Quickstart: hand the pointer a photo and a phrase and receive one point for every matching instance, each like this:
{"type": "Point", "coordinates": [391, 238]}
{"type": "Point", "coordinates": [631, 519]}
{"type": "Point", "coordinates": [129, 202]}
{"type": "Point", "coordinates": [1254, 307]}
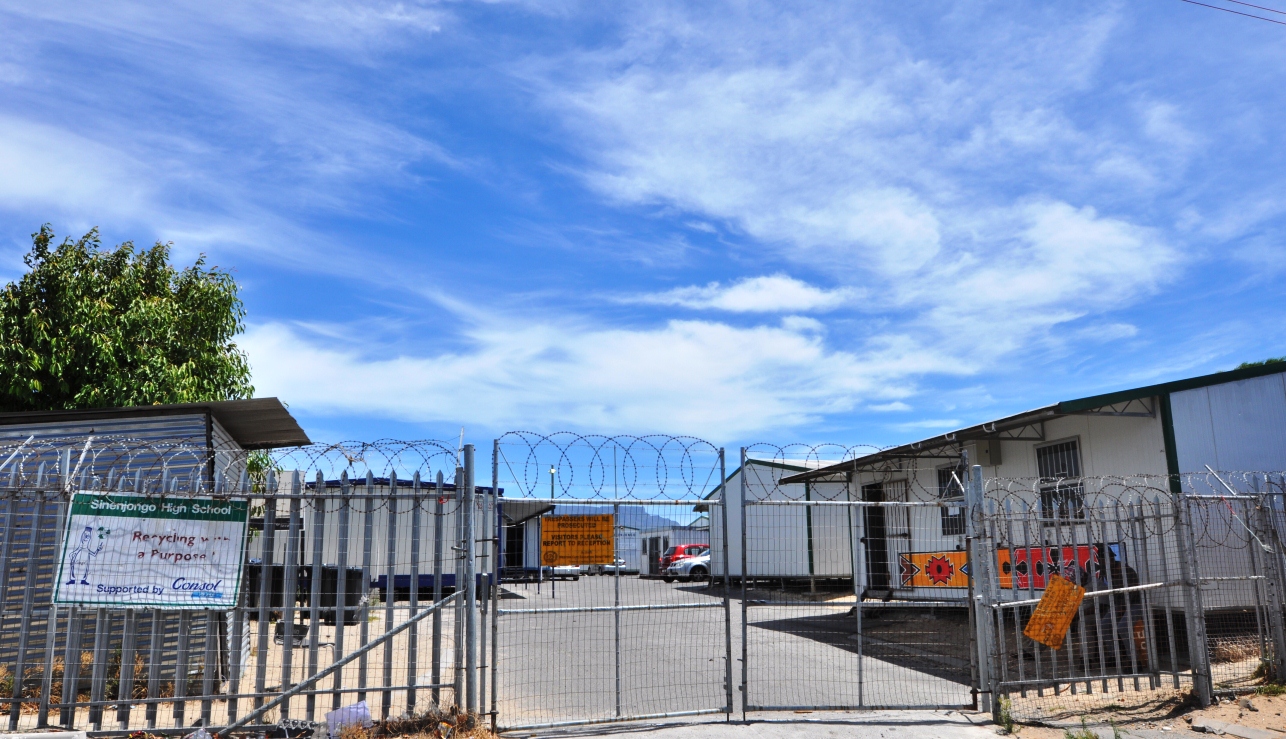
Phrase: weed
{"type": "Point", "coordinates": [1271, 689]}
{"type": "Point", "coordinates": [450, 724]}
{"type": "Point", "coordinates": [1084, 733]}
{"type": "Point", "coordinates": [1004, 715]}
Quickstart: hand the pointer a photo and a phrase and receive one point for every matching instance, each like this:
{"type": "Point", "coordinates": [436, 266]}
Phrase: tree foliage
{"type": "Point", "coordinates": [89, 327]}
{"type": "Point", "coordinates": [1262, 363]}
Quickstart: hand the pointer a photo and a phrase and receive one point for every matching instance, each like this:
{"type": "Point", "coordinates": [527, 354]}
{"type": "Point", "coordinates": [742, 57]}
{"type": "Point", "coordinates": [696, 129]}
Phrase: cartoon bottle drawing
{"type": "Point", "coordinates": [81, 555]}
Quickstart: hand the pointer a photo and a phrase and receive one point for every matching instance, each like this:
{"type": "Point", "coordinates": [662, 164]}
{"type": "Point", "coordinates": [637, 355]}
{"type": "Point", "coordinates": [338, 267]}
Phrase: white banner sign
{"type": "Point", "coordinates": [139, 551]}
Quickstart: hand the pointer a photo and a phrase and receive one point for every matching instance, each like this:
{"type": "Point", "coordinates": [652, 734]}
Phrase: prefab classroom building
{"type": "Point", "coordinates": [186, 447]}
{"type": "Point", "coordinates": [1146, 443]}
{"type": "Point", "coordinates": [796, 544]}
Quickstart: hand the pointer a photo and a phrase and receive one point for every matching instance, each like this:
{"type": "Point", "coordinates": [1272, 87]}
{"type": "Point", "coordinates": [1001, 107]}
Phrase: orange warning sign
{"type": "Point", "coordinates": [1053, 615]}
{"type": "Point", "coordinates": [578, 540]}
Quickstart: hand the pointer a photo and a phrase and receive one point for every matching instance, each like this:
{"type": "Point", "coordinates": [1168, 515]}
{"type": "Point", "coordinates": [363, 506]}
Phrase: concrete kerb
{"type": "Point", "coordinates": [812, 725]}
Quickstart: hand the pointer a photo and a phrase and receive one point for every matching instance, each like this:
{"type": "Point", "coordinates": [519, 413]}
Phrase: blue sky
{"type": "Point", "coordinates": [803, 222]}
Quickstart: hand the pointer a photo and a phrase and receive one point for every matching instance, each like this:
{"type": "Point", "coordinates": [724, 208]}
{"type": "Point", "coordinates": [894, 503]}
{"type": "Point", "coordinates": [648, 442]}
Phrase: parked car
{"type": "Point", "coordinates": [680, 551]}
{"type": "Point", "coordinates": [609, 569]}
{"type": "Point", "coordinates": [562, 572]}
{"type": "Point", "coordinates": [689, 568]}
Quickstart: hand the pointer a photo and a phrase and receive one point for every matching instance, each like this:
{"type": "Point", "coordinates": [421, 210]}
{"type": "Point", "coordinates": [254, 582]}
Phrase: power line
{"type": "Point", "coordinates": [1238, 12]}
{"type": "Point", "coordinates": [1251, 5]}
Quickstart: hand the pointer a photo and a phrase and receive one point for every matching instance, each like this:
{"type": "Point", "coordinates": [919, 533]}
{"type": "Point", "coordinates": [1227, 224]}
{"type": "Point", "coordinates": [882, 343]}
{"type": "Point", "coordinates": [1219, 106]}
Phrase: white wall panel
{"type": "Point", "coordinates": [1236, 426]}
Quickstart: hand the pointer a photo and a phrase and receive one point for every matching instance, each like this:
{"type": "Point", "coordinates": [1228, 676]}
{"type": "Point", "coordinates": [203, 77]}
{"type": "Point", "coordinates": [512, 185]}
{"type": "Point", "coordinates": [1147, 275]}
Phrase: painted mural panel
{"type": "Point", "coordinates": [933, 570]}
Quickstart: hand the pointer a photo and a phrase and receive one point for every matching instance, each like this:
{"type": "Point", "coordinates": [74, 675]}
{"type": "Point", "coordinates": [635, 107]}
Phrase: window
{"type": "Point", "coordinates": [1061, 493]}
{"type": "Point", "coordinates": [951, 487]}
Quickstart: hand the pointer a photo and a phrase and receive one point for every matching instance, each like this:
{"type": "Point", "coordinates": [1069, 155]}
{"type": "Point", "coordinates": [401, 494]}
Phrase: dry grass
{"type": "Point", "coordinates": [449, 724]}
{"type": "Point", "coordinates": [33, 682]}
{"type": "Point", "coordinates": [1234, 649]}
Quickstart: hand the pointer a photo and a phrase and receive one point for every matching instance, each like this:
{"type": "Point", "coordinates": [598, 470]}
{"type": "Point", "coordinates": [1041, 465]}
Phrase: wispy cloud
{"type": "Point", "coordinates": [771, 294]}
{"type": "Point", "coordinates": [876, 162]}
{"type": "Point", "coordinates": [223, 125]}
{"type": "Point", "coordinates": [699, 377]}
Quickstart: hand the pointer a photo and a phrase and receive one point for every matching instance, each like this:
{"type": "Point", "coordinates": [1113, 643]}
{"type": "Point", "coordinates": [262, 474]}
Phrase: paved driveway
{"type": "Point", "coordinates": [559, 666]}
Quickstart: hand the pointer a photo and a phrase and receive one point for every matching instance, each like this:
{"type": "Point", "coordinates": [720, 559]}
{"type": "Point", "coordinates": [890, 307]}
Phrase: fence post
{"type": "Point", "coordinates": [497, 550]}
{"type": "Point", "coordinates": [745, 651]}
{"type": "Point", "coordinates": [439, 531]}
{"type": "Point", "coordinates": [982, 601]}
{"type": "Point", "coordinates": [1198, 647]}
{"type": "Point", "coordinates": [727, 582]}
{"type": "Point", "coordinates": [470, 589]}
{"type": "Point", "coordinates": [1276, 582]}
{"type": "Point", "coordinates": [289, 584]}
{"type": "Point", "coordinates": [319, 508]}
{"type": "Point", "coordinates": [28, 603]}
{"type": "Point", "coordinates": [266, 551]}
{"type": "Point", "coordinates": [390, 590]}
{"type": "Point", "coordinates": [341, 584]}
{"type": "Point", "coordinates": [457, 626]}
{"type": "Point", "coordinates": [364, 610]}
{"type": "Point", "coordinates": [413, 636]}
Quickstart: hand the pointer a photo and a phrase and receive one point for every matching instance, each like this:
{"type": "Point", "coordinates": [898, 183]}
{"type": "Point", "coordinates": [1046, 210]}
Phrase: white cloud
{"type": "Point", "coordinates": [895, 406]}
{"type": "Point", "coordinates": [42, 165]}
{"type": "Point", "coordinates": [214, 124]}
{"type": "Point", "coordinates": [931, 424]}
{"type": "Point", "coordinates": [802, 324]}
{"type": "Point", "coordinates": [696, 377]}
{"type": "Point", "coordinates": [771, 294]}
{"type": "Point", "coordinates": [880, 162]}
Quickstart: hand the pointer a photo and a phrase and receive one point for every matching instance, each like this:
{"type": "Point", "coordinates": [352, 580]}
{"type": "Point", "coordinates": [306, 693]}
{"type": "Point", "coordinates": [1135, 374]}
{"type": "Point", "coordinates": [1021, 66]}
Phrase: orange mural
{"type": "Point", "coordinates": [1030, 567]}
{"type": "Point", "coordinates": [933, 570]}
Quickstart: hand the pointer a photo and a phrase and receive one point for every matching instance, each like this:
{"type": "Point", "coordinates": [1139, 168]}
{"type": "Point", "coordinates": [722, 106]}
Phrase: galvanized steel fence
{"type": "Point", "coordinates": [345, 578]}
{"type": "Point", "coordinates": [383, 573]}
{"type": "Point", "coordinates": [1184, 590]}
{"type": "Point", "coordinates": [595, 644]}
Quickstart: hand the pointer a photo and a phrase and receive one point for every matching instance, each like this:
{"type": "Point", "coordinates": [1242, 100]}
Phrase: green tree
{"type": "Point", "coordinates": [1262, 362]}
{"type": "Point", "coordinates": [89, 327]}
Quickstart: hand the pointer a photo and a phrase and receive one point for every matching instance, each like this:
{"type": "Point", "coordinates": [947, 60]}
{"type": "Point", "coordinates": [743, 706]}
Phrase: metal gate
{"type": "Point", "coordinates": [1183, 591]}
{"type": "Point", "coordinates": [605, 643]}
{"type": "Point", "coordinates": [836, 611]}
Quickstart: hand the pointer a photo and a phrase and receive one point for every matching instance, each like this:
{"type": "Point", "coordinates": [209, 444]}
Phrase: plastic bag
{"type": "Point", "coordinates": [357, 713]}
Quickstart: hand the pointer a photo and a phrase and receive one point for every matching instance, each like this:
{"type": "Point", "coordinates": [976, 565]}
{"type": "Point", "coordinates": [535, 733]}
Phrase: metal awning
{"type": "Point", "coordinates": [517, 511]}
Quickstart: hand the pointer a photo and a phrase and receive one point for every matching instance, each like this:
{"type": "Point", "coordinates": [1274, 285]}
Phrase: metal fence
{"type": "Point", "coordinates": [383, 573]}
{"type": "Point", "coordinates": [348, 594]}
{"type": "Point", "coordinates": [595, 644]}
{"type": "Point", "coordinates": [830, 619]}
{"type": "Point", "coordinates": [1183, 591]}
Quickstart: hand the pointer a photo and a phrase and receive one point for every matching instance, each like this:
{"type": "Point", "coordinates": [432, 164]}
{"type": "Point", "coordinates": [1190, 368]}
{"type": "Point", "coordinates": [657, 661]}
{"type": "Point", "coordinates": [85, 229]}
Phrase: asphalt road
{"type": "Point", "coordinates": [562, 666]}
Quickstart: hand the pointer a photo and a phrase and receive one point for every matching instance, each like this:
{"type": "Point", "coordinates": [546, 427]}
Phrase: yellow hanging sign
{"type": "Point", "coordinates": [1053, 615]}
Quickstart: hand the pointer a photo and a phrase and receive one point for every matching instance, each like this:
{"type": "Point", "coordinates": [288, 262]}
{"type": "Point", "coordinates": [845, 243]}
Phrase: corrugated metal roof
{"type": "Point", "coordinates": [994, 429]}
{"type": "Point", "coordinates": [256, 423]}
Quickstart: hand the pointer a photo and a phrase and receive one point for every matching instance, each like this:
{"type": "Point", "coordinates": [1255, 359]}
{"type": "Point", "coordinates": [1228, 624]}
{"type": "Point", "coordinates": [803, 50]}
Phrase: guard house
{"type": "Point", "coordinates": [1157, 435]}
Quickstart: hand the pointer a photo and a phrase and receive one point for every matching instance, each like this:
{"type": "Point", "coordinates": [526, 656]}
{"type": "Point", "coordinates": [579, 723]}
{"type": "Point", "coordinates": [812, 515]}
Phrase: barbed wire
{"type": "Point", "coordinates": [590, 466]}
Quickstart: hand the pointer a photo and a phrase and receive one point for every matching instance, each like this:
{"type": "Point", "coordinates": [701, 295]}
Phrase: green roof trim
{"type": "Point", "coordinates": [1165, 388]}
